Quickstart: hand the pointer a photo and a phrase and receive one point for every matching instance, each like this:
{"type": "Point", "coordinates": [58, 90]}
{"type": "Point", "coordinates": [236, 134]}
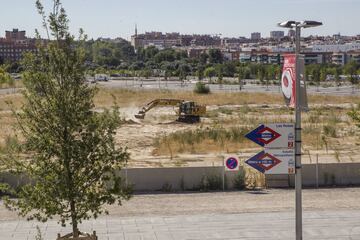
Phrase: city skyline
{"type": "Point", "coordinates": [230, 18]}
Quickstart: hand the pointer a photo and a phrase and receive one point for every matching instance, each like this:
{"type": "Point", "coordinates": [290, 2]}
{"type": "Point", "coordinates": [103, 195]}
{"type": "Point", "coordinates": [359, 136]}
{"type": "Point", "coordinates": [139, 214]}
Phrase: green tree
{"type": "Point", "coordinates": [337, 72]}
{"type": "Point", "coordinates": [184, 70]}
{"type": "Point", "coordinates": [241, 76]}
{"type": "Point", "coordinates": [215, 56]}
{"type": "Point", "coordinates": [316, 76]}
{"type": "Point", "coordinates": [200, 72]}
{"type": "Point", "coordinates": [210, 72]}
{"type": "Point", "coordinates": [203, 58]}
{"type": "Point", "coordinates": [70, 148]}
{"type": "Point", "coordinates": [219, 73]}
{"type": "Point", "coordinates": [269, 74]}
{"type": "Point", "coordinates": [168, 69]}
{"type": "Point", "coordinates": [5, 77]}
{"type": "Point", "coordinates": [261, 73]}
{"type": "Point", "coordinates": [350, 69]}
{"type": "Point", "coordinates": [229, 69]}
{"type": "Point", "coordinates": [323, 75]}
{"type": "Point", "coordinates": [165, 55]}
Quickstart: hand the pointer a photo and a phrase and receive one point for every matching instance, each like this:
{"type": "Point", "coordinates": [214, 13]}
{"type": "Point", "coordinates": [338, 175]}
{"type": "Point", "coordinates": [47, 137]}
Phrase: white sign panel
{"type": "Point", "coordinates": [274, 135]}
{"type": "Point", "coordinates": [274, 161]}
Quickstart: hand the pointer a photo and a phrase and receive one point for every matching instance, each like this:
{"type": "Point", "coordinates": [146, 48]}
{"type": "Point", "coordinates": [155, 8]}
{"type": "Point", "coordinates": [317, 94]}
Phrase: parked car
{"type": "Point", "coordinates": [101, 77]}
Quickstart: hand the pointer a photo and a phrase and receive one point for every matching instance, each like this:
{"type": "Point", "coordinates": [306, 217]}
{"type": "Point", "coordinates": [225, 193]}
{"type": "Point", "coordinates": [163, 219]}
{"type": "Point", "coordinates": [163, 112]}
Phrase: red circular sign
{"type": "Point", "coordinates": [232, 163]}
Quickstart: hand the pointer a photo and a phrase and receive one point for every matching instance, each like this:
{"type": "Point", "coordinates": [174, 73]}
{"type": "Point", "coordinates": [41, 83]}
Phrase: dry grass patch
{"type": "Point", "coordinates": [128, 97]}
{"type": "Point", "coordinates": [203, 140]}
{"type": "Point", "coordinates": [16, 100]}
{"type": "Point", "coordinates": [322, 129]}
{"type": "Point", "coordinates": [125, 97]}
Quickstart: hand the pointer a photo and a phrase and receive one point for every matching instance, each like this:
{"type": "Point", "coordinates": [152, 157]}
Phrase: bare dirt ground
{"type": "Point", "coordinates": [140, 135]}
{"type": "Point", "coordinates": [226, 111]}
{"type": "Point", "coordinates": [273, 200]}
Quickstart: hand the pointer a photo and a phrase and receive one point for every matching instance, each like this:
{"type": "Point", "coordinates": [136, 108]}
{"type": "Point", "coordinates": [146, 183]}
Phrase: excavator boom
{"type": "Point", "coordinates": [155, 103]}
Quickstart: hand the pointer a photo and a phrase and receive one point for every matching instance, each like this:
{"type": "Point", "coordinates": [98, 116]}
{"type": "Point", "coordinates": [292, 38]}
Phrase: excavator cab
{"type": "Point", "coordinates": [187, 107]}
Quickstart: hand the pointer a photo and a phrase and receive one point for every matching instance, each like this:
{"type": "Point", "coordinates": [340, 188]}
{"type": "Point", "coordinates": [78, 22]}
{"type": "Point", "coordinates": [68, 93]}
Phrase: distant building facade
{"type": "Point", "coordinates": [156, 39]}
{"type": "Point", "coordinates": [277, 35]}
{"type": "Point", "coordinates": [291, 33]}
{"type": "Point", "coordinates": [168, 40]}
{"type": "Point", "coordinates": [14, 45]}
{"type": "Point", "coordinates": [255, 36]}
{"type": "Point", "coordinates": [15, 35]}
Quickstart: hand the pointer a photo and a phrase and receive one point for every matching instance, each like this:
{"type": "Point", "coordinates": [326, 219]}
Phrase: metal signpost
{"type": "Point", "coordinates": [231, 163]}
{"type": "Point", "coordinates": [298, 178]}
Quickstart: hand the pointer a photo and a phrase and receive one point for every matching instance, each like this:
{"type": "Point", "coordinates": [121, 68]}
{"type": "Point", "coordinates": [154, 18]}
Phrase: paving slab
{"type": "Point", "coordinates": [332, 224]}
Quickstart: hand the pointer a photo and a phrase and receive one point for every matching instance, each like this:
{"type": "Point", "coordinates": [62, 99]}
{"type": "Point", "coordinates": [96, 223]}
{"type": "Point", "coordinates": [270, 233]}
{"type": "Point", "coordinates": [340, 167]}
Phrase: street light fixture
{"type": "Point", "coordinates": [298, 177]}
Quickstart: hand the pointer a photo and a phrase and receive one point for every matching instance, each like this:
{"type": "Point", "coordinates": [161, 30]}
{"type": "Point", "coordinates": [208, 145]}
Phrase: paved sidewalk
{"type": "Point", "coordinates": [330, 225]}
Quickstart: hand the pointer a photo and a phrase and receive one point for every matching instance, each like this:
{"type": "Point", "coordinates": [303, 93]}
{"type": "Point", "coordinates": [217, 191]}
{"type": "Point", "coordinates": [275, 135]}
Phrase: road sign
{"type": "Point", "coordinates": [274, 161]}
{"type": "Point", "coordinates": [231, 164]}
{"type": "Point", "coordinates": [274, 135]}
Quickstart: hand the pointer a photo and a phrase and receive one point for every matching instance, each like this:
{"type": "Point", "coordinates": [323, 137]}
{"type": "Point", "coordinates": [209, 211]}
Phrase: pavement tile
{"type": "Point", "coordinates": [318, 225]}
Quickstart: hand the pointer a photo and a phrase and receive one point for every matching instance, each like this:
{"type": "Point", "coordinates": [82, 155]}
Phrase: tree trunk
{"type": "Point", "coordinates": [74, 219]}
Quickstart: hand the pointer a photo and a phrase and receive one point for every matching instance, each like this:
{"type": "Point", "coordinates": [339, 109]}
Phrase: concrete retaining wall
{"type": "Point", "coordinates": [192, 178]}
{"type": "Point", "coordinates": [329, 174]}
{"type": "Point", "coordinates": [170, 179]}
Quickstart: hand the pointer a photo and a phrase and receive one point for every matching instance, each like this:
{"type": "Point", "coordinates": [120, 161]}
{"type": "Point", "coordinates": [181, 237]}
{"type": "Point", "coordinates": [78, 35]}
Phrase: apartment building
{"type": "Point", "coordinates": [277, 35]}
{"type": "Point", "coordinates": [14, 45]}
{"type": "Point", "coordinates": [255, 36]}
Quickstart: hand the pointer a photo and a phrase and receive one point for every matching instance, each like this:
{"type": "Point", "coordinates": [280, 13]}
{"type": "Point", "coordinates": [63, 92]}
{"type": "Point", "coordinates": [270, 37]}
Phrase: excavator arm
{"type": "Point", "coordinates": [155, 103]}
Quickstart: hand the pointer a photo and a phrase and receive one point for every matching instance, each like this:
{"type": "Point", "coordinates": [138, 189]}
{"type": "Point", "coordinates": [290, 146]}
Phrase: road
{"type": "Point", "coordinates": [246, 215]}
{"type": "Point", "coordinates": [189, 86]}
{"type": "Point", "coordinates": [154, 84]}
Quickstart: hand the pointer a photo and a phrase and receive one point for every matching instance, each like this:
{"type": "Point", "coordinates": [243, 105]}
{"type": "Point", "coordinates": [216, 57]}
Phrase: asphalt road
{"type": "Point", "coordinates": [189, 86]}
{"type": "Point", "coordinates": [154, 84]}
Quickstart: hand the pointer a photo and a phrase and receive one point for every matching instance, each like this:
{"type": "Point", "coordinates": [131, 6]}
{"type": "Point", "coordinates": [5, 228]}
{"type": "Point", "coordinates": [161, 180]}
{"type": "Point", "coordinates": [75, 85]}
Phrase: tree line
{"type": "Point", "coordinates": [121, 57]}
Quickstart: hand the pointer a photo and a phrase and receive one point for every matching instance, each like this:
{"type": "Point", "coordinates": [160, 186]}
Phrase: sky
{"type": "Point", "coordinates": [231, 18]}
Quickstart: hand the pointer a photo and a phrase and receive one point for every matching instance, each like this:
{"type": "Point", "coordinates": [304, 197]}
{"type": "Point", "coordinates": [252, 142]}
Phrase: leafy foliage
{"type": "Point", "coordinates": [201, 88]}
{"type": "Point", "coordinates": [69, 149]}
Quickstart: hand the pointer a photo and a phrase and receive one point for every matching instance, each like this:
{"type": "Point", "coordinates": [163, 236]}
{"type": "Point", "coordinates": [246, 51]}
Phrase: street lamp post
{"type": "Point", "coordinates": [298, 176]}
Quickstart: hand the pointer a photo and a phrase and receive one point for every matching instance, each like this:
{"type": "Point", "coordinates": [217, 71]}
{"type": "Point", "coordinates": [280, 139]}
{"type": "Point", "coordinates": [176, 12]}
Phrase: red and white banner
{"type": "Point", "coordinates": [288, 79]}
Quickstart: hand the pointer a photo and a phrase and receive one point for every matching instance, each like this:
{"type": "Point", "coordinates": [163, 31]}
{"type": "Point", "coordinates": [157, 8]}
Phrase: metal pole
{"type": "Point", "coordinates": [298, 179]}
{"type": "Point", "coordinates": [223, 180]}
{"type": "Point", "coordinates": [317, 170]}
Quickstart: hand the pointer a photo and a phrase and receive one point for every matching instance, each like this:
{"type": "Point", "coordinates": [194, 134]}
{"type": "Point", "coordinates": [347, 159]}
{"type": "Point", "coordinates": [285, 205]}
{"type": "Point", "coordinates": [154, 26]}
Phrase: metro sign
{"type": "Point", "coordinates": [274, 135]}
{"type": "Point", "coordinates": [263, 135]}
{"type": "Point", "coordinates": [263, 161]}
{"type": "Point", "coordinates": [274, 161]}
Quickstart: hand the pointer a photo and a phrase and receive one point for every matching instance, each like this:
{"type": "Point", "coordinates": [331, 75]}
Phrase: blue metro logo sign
{"type": "Point", "coordinates": [263, 161]}
{"type": "Point", "coordinates": [263, 135]}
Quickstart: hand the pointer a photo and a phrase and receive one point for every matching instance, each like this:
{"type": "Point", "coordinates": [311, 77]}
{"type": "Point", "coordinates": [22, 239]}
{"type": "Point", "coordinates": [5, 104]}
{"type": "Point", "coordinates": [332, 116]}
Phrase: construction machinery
{"type": "Point", "coordinates": [187, 111]}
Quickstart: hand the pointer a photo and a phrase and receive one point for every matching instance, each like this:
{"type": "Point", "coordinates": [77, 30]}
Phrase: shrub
{"type": "Point", "coordinates": [239, 180]}
{"type": "Point", "coordinates": [329, 131]}
{"type": "Point", "coordinates": [211, 182]}
{"type": "Point", "coordinates": [201, 88]}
